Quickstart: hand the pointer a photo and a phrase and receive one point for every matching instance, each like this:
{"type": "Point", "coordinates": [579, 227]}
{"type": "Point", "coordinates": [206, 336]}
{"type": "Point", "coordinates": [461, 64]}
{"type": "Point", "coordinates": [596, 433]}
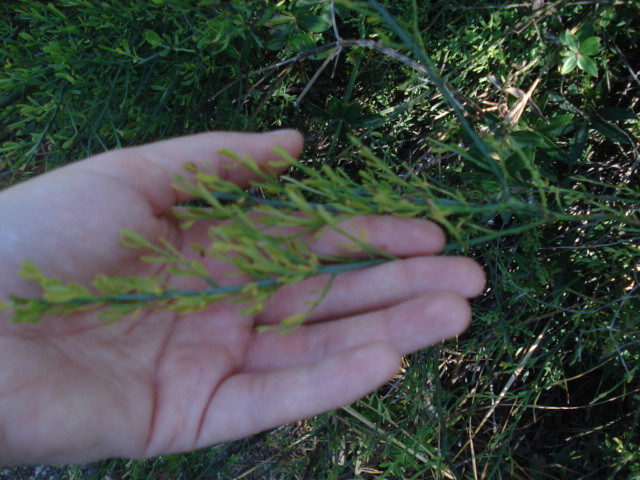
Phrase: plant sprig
{"type": "Point", "coordinates": [265, 239]}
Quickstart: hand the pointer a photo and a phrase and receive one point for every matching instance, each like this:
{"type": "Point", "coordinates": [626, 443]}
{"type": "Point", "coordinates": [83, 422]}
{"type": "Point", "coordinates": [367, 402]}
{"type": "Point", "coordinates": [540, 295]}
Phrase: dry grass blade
{"type": "Point", "coordinates": [388, 437]}
{"type": "Point", "coordinates": [514, 376]}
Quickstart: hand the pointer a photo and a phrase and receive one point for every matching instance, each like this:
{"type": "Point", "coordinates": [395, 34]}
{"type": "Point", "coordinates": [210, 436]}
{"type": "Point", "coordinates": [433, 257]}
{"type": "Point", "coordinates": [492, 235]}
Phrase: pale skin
{"type": "Point", "coordinates": [73, 390]}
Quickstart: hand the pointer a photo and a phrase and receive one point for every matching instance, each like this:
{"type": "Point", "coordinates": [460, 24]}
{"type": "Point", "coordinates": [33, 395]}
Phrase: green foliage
{"type": "Point", "coordinates": [250, 239]}
{"type": "Point", "coordinates": [578, 53]}
{"type": "Point", "coordinates": [81, 77]}
{"type": "Point", "coordinates": [294, 25]}
{"type": "Point", "coordinates": [534, 175]}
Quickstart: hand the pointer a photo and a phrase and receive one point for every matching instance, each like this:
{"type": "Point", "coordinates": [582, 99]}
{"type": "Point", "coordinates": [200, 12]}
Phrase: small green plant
{"type": "Point", "coordinates": [579, 52]}
{"type": "Point", "coordinates": [293, 27]}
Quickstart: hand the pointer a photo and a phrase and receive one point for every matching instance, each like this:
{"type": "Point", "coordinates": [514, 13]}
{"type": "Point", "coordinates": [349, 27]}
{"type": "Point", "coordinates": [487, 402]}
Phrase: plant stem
{"type": "Point", "coordinates": [233, 289]}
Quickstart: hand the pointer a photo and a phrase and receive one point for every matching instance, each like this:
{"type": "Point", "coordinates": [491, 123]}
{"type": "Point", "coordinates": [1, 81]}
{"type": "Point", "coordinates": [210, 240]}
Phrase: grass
{"type": "Point", "coordinates": [545, 384]}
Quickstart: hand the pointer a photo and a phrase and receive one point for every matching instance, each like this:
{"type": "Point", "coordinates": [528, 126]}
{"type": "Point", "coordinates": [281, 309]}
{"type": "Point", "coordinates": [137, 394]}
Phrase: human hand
{"type": "Point", "coordinates": [75, 390]}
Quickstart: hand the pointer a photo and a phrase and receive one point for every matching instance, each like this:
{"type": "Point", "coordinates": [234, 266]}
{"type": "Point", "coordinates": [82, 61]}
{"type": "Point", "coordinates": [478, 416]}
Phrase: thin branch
{"type": "Point", "coordinates": [332, 270]}
{"type": "Point", "coordinates": [333, 21]}
{"type": "Point", "coordinates": [426, 66]}
{"type": "Point", "coordinates": [333, 54]}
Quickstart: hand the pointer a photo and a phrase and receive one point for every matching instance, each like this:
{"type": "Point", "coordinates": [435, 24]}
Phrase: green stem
{"type": "Point", "coordinates": [452, 207]}
{"type": "Point", "coordinates": [440, 84]}
{"type": "Point", "coordinates": [233, 289]}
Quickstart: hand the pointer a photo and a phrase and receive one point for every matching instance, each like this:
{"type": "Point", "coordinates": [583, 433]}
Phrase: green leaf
{"type": "Point", "coordinates": [524, 138]}
{"type": "Point", "coordinates": [278, 39]}
{"type": "Point", "coordinates": [56, 12]}
{"type": "Point", "coordinates": [352, 112]}
{"type": "Point", "coordinates": [63, 293]}
{"type": "Point", "coordinates": [26, 36]}
{"type": "Point", "coordinates": [29, 271]}
{"type": "Point", "coordinates": [368, 120]}
{"type": "Point", "coordinates": [557, 125]}
{"type": "Point", "coordinates": [132, 239]}
{"type": "Point", "coordinates": [153, 38]}
{"type": "Point", "coordinates": [588, 65]}
{"type": "Point", "coordinates": [28, 311]}
{"type": "Point", "coordinates": [293, 320]}
{"type": "Point", "coordinates": [585, 31]}
{"type": "Point", "coordinates": [199, 269]}
{"type": "Point", "coordinates": [569, 40]}
{"type": "Point", "coordinates": [569, 65]}
{"type": "Point", "coordinates": [515, 164]}
{"type": "Point", "coordinates": [590, 46]}
{"type": "Point", "coordinates": [336, 108]}
{"type": "Point", "coordinates": [578, 144]}
{"type": "Point", "coordinates": [282, 19]}
{"type": "Point", "coordinates": [313, 23]}
{"type": "Point", "coordinates": [181, 272]}
{"type": "Point", "coordinates": [617, 114]}
{"type": "Point", "coordinates": [302, 42]}
{"type": "Point", "coordinates": [611, 132]}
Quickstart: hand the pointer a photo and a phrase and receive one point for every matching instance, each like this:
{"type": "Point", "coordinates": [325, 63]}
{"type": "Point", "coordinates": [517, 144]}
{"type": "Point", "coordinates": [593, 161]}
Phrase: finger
{"type": "Point", "coordinates": [364, 235]}
{"type": "Point", "coordinates": [400, 237]}
{"type": "Point", "coordinates": [253, 402]}
{"type": "Point", "coordinates": [408, 326]}
{"type": "Point", "coordinates": [357, 237]}
{"type": "Point", "coordinates": [150, 169]}
{"type": "Point", "coordinates": [376, 287]}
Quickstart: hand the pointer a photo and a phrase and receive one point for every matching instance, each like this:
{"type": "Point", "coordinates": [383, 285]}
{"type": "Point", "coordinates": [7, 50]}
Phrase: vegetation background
{"type": "Point", "coordinates": [521, 117]}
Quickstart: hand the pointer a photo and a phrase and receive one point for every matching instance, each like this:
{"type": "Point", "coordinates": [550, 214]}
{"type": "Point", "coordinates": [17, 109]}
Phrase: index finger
{"type": "Point", "coordinates": [150, 169]}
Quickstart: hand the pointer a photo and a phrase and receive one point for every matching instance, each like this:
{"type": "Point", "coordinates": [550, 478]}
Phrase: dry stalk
{"type": "Point", "coordinates": [505, 389]}
{"type": "Point", "coordinates": [417, 455]}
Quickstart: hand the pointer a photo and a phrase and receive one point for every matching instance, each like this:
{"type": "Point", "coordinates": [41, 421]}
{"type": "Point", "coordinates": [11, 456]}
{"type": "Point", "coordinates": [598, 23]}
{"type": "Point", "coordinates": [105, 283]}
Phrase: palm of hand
{"type": "Point", "coordinates": [73, 390]}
